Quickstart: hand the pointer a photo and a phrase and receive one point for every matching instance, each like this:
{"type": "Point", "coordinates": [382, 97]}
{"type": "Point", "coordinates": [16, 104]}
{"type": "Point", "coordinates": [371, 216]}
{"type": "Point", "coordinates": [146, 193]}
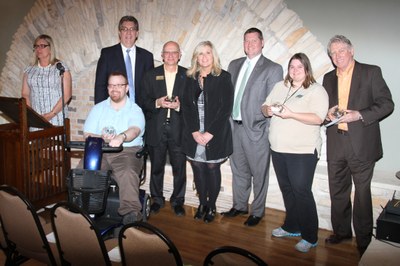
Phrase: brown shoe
{"type": "Point", "coordinates": [336, 239]}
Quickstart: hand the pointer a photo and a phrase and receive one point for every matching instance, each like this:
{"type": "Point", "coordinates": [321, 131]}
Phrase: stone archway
{"type": "Point", "coordinates": [80, 28]}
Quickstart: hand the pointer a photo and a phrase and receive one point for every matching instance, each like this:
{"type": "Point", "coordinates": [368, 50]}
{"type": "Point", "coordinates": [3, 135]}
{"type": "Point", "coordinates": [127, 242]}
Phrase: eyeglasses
{"type": "Point", "coordinates": [125, 29]}
{"type": "Point", "coordinates": [170, 53]}
{"type": "Point", "coordinates": [41, 46]}
{"type": "Point", "coordinates": [119, 86]}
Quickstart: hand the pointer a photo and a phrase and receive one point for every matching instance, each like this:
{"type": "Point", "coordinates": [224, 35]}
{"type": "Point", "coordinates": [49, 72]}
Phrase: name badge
{"type": "Point", "coordinates": [159, 77]}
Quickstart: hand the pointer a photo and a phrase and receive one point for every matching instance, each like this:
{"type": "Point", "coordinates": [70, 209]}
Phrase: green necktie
{"type": "Point", "coordinates": [239, 96]}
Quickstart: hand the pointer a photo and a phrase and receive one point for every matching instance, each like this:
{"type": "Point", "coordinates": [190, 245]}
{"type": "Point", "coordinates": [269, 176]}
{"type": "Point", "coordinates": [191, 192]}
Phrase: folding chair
{"type": "Point", "coordinates": [24, 231]}
{"type": "Point", "coordinates": [231, 256]}
{"type": "Point", "coordinates": [143, 244]}
{"type": "Point", "coordinates": [78, 240]}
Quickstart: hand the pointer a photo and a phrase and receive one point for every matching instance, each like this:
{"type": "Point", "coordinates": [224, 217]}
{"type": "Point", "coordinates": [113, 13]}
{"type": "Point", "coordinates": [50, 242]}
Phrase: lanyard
{"type": "Point", "coordinates": [287, 95]}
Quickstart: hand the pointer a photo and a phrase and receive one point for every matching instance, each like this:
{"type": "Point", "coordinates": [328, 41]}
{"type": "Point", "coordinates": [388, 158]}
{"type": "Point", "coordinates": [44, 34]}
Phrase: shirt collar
{"type": "Point", "coordinates": [128, 103]}
{"type": "Point", "coordinates": [254, 60]}
{"type": "Point", "coordinates": [169, 72]}
{"type": "Point", "coordinates": [347, 71]}
{"type": "Point", "coordinates": [133, 49]}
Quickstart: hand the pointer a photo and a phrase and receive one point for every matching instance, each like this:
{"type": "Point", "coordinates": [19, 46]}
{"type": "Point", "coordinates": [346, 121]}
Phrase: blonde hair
{"type": "Point", "coordinates": [216, 68]}
{"type": "Point", "coordinates": [49, 40]}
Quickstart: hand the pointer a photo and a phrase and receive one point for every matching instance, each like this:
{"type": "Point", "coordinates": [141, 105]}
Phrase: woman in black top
{"type": "Point", "coordinates": [207, 137]}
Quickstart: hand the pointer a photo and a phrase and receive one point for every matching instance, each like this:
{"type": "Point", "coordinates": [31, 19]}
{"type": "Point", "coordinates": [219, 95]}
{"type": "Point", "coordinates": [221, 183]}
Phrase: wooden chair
{"type": "Point", "coordinates": [78, 239]}
{"type": "Point", "coordinates": [3, 243]}
{"type": "Point", "coordinates": [231, 256]}
{"type": "Point", "coordinates": [143, 244]}
{"type": "Point", "coordinates": [24, 231]}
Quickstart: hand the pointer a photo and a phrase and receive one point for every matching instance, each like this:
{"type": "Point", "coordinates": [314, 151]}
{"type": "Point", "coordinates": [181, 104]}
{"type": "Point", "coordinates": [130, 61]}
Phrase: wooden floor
{"type": "Point", "coordinates": [194, 239]}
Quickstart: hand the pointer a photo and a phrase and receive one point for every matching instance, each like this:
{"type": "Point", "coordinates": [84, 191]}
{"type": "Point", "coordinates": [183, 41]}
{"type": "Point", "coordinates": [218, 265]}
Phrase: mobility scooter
{"type": "Point", "coordinates": [94, 191]}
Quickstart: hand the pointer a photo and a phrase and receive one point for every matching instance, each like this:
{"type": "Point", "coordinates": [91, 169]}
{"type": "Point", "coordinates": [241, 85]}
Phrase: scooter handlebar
{"type": "Point", "coordinates": [105, 148]}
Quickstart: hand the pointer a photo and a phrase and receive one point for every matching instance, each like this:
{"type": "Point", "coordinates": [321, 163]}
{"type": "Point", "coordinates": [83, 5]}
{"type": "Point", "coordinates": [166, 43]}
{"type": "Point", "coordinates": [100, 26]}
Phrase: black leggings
{"type": "Point", "coordinates": [207, 178]}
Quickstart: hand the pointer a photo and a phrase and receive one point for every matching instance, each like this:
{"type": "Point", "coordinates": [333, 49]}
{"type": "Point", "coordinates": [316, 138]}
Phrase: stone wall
{"type": "Point", "coordinates": [81, 28]}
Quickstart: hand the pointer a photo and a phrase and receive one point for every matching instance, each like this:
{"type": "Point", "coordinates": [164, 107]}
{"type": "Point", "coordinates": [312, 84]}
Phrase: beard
{"type": "Point", "coordinates": [117, 97]}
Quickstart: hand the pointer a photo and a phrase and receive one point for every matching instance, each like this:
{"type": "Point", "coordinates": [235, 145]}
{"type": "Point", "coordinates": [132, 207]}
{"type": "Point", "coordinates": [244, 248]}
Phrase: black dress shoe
{"type": "Point", "coordinates": [336, 239]}
{"type": "Point", "coordinates": [233, 213]}
{"type": "Point", "coordinates": [201, 210]}
{"type": "Point", "coordinates": [179, 210]}
{"type": "Point", "coordinates": [210, 215]}
{"type": "Point", "coordinates": [252, 220]}
{"type": "Point", "coordinates": [155, 208]}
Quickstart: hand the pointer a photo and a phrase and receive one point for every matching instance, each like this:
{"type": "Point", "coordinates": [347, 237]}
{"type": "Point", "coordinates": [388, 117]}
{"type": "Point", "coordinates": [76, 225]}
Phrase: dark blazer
{"type": "Point", "coordinates": [154, 87]}
{"type": "Point", "coordinates": [218, 98]}
{"type": "Point", "coordinates": [370, 95]}
{"type": "Point", "coordinates": [112, 60]}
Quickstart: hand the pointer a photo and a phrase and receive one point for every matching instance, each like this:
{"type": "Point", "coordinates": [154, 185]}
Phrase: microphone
{"type": "Point", "coordinates": [61, 68]}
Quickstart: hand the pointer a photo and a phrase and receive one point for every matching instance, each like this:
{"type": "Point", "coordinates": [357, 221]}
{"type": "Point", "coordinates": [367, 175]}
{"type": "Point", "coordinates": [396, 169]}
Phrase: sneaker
{"type": "Point", "coordinates": [304, 246]}
{"type": "Point", "coordinates": [279, 232]}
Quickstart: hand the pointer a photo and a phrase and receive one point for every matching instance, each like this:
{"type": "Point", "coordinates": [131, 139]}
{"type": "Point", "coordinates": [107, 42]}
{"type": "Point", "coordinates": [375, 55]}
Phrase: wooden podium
{"type": "Point", "coordinates": [34, 161]}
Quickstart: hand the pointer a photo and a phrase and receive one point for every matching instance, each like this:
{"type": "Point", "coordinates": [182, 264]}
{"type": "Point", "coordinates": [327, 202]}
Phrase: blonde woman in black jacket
{"type": "Point", "coordinates": [207, 137]}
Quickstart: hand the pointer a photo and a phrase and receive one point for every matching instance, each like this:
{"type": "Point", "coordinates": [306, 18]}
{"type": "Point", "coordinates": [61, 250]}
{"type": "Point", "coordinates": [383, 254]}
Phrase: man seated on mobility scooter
{"type": "Point", "coordinates": [118, 120]}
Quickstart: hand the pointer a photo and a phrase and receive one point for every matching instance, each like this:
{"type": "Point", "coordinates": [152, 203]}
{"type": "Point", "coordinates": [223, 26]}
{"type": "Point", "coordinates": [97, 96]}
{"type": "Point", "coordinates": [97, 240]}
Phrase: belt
{"type": "Point", "coordinates": [239, 122]}
{"type": "Point", "coordinates": [342, 132]}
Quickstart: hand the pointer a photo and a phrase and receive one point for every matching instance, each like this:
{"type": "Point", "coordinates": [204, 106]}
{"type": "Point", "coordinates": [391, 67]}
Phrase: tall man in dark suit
{"type": "Point", "coordinates": [353, 144]}
{"type": "Point", "coordinates": [124, 57]}
{"type": "Point", "coordinates": [254, 76]}
{"type": "Point", "coordinates": [162, 90]}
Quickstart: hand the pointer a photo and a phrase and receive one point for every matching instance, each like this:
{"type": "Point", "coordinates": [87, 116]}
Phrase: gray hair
{"type": "Point", "coordinates": [340, 39]}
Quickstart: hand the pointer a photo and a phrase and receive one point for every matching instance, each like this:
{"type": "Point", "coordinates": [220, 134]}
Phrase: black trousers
{"type": "Point", "coordinates": [295, 174]}
{"type": "Point", "coordinates": [343, 171]}
{"type": "Point", "coordinates": [158, 158]}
